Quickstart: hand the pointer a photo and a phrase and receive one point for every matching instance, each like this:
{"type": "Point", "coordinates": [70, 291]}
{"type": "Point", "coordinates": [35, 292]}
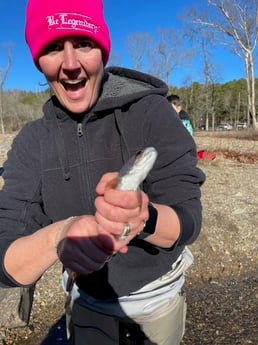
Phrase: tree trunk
{"type": "Point", "coordinates": [252, 76]}
{"type": "Point", "coordinates": [1, 111]}
{"type": "Point", "coordinates": [248, 91]}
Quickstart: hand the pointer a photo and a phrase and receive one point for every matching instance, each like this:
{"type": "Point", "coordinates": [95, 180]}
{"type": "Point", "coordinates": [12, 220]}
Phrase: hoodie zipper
{"type": "Point", "coordinates": [82, 144]}
{"type": "Point", "coordinates": [79, 129]}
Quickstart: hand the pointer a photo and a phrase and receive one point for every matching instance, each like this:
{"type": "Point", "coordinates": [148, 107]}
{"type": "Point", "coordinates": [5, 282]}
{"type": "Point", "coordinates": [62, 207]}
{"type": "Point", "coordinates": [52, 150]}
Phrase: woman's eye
{"type": "Point", "coordinates": [86, 44]}
{"type": "Point", "coordinates": [52, 47]}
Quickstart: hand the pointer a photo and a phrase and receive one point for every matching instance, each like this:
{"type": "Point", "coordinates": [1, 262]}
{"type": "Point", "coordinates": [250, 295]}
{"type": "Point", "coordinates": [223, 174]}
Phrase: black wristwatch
{"type": "Point", "coordinates": [150, 225]}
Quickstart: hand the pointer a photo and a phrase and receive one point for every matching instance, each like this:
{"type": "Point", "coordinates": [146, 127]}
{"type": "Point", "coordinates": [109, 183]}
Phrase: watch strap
{"type": "Point", "coordinates": [151, 223]}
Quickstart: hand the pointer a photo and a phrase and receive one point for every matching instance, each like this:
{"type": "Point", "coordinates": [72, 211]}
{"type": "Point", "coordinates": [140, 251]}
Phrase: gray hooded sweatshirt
{"type": "Point", "coordinates": [55, 163]}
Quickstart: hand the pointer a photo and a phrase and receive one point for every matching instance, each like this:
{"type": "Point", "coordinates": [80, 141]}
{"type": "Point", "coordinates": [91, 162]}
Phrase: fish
{"type": "Point", "coordinates": [130, 177]}
{"type": "Point", "coordinates": [135, 170]}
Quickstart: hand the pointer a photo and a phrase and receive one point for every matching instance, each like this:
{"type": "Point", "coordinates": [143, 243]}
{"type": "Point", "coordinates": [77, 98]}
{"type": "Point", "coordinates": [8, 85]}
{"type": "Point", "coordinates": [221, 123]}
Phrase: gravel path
{"type": "Point", "coordinates": [222, 284]}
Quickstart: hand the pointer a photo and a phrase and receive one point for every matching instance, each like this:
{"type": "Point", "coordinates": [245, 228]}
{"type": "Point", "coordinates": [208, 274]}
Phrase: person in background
{"type": "Point", "coordinates": [127, 248]}
{"type": "Point", "coordinates": [174, 100]}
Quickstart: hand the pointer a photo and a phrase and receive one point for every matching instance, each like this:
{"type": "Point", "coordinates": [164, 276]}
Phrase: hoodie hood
{"type": "Point", "coordinates": [122, 86]}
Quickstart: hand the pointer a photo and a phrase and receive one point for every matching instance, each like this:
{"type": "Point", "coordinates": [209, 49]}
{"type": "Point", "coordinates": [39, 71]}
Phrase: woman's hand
{"type": "Point", "coordinates": [87, 242]}
{"type": "Point", "coordinates": [116, 208]}
{"type": "Point", "coordinates": [83, 248]}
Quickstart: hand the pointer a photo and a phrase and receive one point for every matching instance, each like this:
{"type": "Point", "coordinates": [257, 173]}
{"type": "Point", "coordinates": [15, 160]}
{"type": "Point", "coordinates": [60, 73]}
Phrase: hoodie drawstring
{"type": "Point", "coordinates": [124, 148]}
{"type": "Point", "coordinates": [62, 154]}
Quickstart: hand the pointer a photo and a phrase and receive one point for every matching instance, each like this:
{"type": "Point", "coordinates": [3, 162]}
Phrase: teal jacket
{"type": "Point", "coordinates": [188, 126]}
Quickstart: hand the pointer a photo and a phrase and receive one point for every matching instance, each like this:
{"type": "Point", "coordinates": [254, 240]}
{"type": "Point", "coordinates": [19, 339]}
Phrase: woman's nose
{"type": "Point", "coordinates": [70, 61]}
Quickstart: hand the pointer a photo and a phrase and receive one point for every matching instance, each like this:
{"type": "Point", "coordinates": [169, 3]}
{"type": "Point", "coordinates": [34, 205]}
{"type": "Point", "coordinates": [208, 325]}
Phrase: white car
{"type": "Point", "coordinates": [224, 127]}
{"type": "Point", "coordinates": [241, 125]}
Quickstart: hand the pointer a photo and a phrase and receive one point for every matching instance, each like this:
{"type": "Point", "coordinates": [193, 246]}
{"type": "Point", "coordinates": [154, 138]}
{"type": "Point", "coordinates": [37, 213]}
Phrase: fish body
{"type": "Point", "coordinates": [135, 170]}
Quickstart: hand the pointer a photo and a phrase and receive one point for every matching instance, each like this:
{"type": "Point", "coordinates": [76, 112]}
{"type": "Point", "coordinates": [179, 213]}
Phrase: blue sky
{"type": "Point", "coordinates": [124, 17]}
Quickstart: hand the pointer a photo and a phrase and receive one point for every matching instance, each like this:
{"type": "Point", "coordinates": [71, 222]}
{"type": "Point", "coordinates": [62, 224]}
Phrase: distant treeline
{"type": "Point", "coordinates": [210, 104]}
{"type": "Point", "coordinates": [216, 103]}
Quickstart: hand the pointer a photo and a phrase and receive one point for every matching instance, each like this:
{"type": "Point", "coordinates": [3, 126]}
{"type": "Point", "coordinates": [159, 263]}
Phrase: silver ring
{"type": "Point", "coordinates": [126, 232]}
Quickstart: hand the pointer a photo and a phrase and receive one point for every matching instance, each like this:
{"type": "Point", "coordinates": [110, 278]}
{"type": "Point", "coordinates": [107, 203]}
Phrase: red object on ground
{"type": "Point", "coordinates": [203, 154]}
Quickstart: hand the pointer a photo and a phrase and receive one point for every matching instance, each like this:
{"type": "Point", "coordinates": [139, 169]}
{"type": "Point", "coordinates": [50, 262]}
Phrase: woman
{"type": "Point", "coordinates": [55, 205]}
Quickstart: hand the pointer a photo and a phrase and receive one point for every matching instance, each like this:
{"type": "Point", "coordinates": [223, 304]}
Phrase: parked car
{"type": "Point", "coordinates": [202, 127]}
{"type": "Point", "coordinates": [241, 125]}
{"type": "Point", "coordinates": [224, 127]}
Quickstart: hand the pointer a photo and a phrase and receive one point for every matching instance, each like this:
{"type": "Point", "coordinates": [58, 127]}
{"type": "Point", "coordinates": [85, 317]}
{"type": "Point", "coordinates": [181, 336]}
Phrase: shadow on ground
{"type": "Point", "coordinates": [57, 334]}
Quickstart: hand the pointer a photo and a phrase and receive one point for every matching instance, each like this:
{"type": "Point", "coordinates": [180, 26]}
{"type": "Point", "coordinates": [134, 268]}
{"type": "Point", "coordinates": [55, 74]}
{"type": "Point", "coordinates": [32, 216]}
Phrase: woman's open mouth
{"type": "Point", "coordinates": [73, 85]}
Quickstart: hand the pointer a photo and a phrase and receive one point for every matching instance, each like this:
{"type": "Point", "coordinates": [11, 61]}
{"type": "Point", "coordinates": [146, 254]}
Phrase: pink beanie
{"type": "Point", "coordinates": [48, 20]}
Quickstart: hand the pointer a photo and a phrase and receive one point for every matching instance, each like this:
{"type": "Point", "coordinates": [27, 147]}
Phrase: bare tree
{"type": "Point", "coordinates": [203, 41]}
{"type": "Point", "coordinates": [3, 75]}
{"type": "Point", "coordinates": [172, 51]}
{"type": "Point", "coordinates": [137, 45]}
{"type": "Point", "coordinates": [235, 25]}
{"type": "Point", "coordinates": [209, 77]}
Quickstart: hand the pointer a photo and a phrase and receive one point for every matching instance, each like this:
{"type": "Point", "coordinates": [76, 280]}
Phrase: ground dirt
{"type": "Point", "coordinates": [221, 286]}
